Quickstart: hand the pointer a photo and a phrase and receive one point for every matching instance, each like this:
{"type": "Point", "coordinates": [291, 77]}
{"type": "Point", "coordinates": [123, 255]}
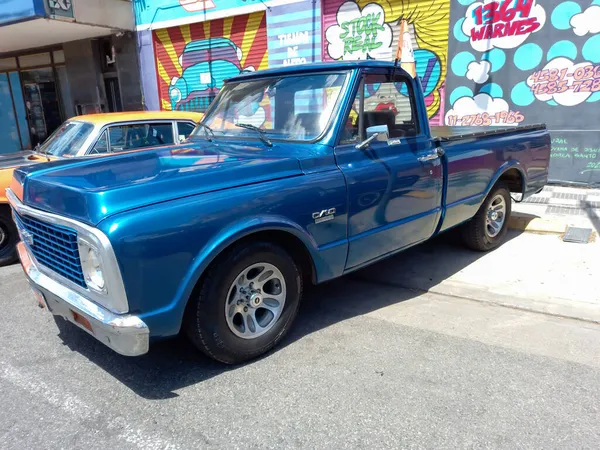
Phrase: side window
{"type": "Point", "coordinates": [184, 129]}
{"type": "Point", "coordinates": [101, 145]}
{"type": "Point", "coordinates": [131, 137]}
{"type": "Point", "coordinates": [387, 103]}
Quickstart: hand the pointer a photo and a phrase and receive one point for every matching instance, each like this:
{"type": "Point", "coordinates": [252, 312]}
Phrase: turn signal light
{"type": "Point", "coordinates": [82, 321]}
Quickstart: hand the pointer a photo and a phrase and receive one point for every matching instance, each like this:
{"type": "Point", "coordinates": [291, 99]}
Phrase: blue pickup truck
{"type": "Point", "coordinates": [219, 236]}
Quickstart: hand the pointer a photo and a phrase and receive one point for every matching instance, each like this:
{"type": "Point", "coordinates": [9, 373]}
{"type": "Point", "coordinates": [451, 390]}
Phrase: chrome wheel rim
{"type": "Point", "coordinates": [255, 300]}
{"type": "Point", "coordinates": [495, 217]}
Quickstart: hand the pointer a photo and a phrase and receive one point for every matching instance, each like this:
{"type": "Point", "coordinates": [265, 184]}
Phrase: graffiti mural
{"type": "Point", "coordinates": [530, 61]}
{"type": "Point", "coordinates": [153, 14]}
{"type": "Point", "coordinates": [193, 61]}
{"type": "Point", "coordinates": [369, 29]}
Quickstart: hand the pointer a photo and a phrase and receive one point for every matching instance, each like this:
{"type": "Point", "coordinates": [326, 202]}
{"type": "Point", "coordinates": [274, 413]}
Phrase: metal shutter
{"type": "Point", "coordinates": [192, 61]}
{"type": "Point", "coordinates": [429, 21]}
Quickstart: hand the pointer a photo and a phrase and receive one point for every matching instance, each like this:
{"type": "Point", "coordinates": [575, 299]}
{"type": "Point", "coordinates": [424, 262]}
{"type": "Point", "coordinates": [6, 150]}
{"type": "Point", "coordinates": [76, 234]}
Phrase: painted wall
{"type": "Point", "coordinates": [154, 14]}
{"type": "Point", "coordinates": [18, 10]}
{"type": "Point", "coordinates": [294, 32]}
{"type": "Point", "coordinates": [531, 61]}
{"type": "Point", "coordinates": [192, 61]}
{"type": "Point", "coordinates": [369, 29]}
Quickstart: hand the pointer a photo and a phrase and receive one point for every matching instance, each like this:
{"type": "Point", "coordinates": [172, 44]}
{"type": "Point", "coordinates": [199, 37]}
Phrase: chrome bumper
{"type": "Point", "coordinates": [125, 334]}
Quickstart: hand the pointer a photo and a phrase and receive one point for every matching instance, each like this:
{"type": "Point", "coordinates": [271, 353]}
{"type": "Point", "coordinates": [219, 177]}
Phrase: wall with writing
{"type": "Point", "coordinates": [294, 33]}
{"type": "Point", "coordinates": [530, 61]}
{"type": "Point", "coordinates": [369, 29]}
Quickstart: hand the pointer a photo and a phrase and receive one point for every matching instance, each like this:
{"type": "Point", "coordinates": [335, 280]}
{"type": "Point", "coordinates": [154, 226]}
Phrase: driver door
{"type": "Point", "coordinates": [394, 182]}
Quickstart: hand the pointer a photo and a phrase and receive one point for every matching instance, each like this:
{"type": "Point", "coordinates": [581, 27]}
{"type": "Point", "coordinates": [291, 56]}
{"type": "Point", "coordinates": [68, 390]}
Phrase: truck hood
{"type": "Point", "coordinates": [20, 159]}
{"type": "Point", "coordinates": [89, 190]}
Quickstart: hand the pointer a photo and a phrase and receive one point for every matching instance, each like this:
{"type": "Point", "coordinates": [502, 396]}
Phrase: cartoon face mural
{"type": "Point", "coordinates": [530, 61]}
{"type": "Point", "coordinates": [193, 61]}
{"type": "Point", "coordinates": [369, 29]}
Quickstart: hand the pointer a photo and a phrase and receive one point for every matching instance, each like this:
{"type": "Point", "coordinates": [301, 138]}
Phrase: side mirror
{"type": "Point", "coordinates": [379, 132]}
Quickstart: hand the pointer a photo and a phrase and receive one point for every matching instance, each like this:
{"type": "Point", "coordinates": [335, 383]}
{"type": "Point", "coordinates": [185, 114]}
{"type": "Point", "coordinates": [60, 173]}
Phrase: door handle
{"type": "Point", "coordinates": [429, 157]}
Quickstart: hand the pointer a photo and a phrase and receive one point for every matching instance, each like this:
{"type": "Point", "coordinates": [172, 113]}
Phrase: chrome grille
{"type": "Point", "coordinates": [53, 246]}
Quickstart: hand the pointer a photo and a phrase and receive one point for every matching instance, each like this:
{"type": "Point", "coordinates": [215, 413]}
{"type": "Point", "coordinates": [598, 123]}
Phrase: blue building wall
{"type": "Point", "coordinates": [20, 10]}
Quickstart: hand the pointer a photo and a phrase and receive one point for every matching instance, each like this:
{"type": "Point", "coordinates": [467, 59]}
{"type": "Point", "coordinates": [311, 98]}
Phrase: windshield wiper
{"type": "Point", "coordinates": [261, 133]}
{"type": "Point", "coordinates": [206, 130]}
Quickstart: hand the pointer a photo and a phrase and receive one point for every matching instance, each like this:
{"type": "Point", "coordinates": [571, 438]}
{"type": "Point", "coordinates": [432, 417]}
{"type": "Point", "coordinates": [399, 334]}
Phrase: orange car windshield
{"type": "Point", "coordinates": [67, 139]}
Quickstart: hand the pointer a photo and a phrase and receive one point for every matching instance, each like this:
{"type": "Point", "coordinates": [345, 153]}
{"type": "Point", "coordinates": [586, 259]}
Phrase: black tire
{"type": "Point", "coordinates": [9, 237]}
{"type": "Point", "coordinates": [474, 232]}
{"type": "Point", "coordinates": [205, 322]}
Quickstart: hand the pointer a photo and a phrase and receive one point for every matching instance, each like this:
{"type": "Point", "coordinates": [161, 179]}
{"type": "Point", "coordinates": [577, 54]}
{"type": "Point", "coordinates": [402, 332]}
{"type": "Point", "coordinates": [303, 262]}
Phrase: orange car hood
{"type": "Point", "coordinates": [12, 160]}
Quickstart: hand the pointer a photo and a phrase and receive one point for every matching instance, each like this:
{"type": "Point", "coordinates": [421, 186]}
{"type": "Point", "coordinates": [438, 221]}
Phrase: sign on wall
{"type": "Point", "coordinates": [530, 61]}
{"type": "Point", "coordinates": [58, 9]}
{"type": "Point", "coordinates": [294, 33]}
{"type": "Point", "coordinates": [369, 29]}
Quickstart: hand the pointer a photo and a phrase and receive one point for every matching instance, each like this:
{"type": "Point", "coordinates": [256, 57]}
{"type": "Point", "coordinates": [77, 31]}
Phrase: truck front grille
{"type": "Point", "coordinates": [53, 246]}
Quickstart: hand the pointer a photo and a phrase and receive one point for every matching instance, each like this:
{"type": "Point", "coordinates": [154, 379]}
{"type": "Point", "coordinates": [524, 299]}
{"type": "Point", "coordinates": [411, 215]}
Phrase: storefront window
{"type": "Point", "coordinates": [39, 59]}
{"type": "Point", "coordinates": [17, 93]}
{"type": "Point", "coordinates": [8, 123]}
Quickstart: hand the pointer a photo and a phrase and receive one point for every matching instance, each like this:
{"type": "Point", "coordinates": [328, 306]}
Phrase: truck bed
{"type": "Point", "coordinates": [445, 133]}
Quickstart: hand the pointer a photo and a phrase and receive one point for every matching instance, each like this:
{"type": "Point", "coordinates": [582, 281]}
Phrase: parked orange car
{"type": "Point", "coordinates": [91, 135]}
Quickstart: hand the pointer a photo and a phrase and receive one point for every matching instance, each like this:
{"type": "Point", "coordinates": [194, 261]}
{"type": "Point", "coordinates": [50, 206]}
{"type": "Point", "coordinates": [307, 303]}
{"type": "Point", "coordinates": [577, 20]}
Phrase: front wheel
{"type": "Point", "coordinates": [9, 237]}
{"type": "Point", "coordinates": [248, 300]}
{"type": "Point", "coordinates": [488, 228]}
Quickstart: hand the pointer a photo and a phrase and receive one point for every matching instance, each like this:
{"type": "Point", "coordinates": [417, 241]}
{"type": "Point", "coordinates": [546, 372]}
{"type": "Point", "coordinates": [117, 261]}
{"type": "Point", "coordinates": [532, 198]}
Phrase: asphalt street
{"type": "Point", "coordinates": [369, 364]}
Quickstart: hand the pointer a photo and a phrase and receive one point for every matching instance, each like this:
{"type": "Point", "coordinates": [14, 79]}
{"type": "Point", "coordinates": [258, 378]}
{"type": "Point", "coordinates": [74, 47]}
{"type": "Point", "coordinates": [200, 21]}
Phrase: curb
{"type": "Point", "coordinates": [533, 224]}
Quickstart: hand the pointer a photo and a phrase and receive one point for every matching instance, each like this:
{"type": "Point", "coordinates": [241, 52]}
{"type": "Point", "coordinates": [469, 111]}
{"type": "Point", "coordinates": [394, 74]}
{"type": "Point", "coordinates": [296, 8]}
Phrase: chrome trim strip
{"type": "Point", "coordinates": [115, 290]}
{"type": "Point", "coordinates": [126, 334]}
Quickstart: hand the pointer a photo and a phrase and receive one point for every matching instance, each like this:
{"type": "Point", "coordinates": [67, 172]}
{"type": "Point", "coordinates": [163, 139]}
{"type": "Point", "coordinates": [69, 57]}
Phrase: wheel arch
{"type": "Point", "coordinates": [282, 232]}
{"type": "Point", "coordinates": [511, 173]}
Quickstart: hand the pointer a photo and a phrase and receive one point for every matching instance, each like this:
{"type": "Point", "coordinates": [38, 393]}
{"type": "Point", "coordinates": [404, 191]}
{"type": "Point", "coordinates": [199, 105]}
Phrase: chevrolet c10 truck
{"type": "Point", "coordinates": [295, 175]}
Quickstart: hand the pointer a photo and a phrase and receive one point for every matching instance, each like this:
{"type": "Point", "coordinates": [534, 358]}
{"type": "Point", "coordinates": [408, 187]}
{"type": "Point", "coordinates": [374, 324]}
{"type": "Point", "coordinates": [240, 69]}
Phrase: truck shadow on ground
{"type": "Point", "coordinates": [175, 364]}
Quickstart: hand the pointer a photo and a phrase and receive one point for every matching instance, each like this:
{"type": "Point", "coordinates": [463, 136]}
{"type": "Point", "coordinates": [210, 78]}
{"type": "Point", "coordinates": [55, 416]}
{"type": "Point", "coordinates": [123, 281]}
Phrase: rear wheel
{"type": "Point", "coordinates": [487, 229]}
{"type": "Point", "coordinates": [8, 238]}
{"type": "Point", "coordinates": [246, 304]}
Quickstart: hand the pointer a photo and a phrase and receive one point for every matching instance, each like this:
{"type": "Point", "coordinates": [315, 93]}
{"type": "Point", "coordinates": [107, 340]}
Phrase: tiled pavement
{"type": "Point", "coordinates": [576, 206]}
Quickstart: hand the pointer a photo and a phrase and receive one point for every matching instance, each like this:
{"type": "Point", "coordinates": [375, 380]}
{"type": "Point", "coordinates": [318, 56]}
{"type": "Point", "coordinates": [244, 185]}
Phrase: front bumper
{"type": "Point", "coordinates": [125, 334]}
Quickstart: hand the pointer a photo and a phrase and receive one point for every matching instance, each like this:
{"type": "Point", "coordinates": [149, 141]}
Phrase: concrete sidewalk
{"type": "Point", "coordinates": [557, 207]}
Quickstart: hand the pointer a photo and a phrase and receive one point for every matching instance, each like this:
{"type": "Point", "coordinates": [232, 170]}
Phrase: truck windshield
{"type": "Point", "coordinates": [296, 108]}
{"type": "Point", "coordinates": [67, 139]}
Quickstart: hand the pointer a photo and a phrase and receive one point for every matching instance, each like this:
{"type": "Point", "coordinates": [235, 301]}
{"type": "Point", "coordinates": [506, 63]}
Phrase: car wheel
{"type": "Point", "coordinates": [487, 229]}
{"type": "Point", "coordinates": [8, 238]}
{"type": "Point", "coordinates": [247, 302]}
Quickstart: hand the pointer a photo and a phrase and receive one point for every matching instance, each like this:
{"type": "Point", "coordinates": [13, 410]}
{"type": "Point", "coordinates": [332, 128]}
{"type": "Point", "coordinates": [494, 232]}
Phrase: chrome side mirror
{"type": "Point", "coordinates": [377, 132]}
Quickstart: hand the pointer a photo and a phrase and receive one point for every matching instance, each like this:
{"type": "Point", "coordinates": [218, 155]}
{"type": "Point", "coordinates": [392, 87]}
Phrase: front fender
{"type": "Point", "coordinates": [230, 235]}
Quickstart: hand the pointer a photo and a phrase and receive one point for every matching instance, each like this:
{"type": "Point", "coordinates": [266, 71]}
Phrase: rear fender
{"type": "Point", "coordinates": [508, 165]}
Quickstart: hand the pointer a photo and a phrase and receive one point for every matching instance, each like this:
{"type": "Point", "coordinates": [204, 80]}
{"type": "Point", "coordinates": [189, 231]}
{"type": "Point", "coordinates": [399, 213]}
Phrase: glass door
{"type": "Point", "coordinates": [41, 102]}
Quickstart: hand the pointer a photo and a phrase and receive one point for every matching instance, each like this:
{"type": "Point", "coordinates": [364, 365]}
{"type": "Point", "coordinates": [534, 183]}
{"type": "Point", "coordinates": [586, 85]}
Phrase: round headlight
{"type": "Point", "coordinates": [92, 270]}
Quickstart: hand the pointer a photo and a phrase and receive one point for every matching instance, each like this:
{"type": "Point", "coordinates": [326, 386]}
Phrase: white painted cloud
{"type": "Point", "coordinates": [479, 72]}
{"type": "Point", "coordinates": [359, 34]}
{"type": "Point", "coordinates": [468, 106]}
{"type": "Point", "coordinates": [508, 34]}
{"type": "Point", "coordinates": [587, 21]}
{"type": "Point", "coordinates": [569, 97]}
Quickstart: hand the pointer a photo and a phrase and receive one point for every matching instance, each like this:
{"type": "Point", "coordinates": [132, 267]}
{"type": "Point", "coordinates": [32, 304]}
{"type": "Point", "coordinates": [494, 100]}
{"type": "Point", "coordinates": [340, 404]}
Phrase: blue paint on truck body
{"type": "Point", "coordinates": [169, 213]}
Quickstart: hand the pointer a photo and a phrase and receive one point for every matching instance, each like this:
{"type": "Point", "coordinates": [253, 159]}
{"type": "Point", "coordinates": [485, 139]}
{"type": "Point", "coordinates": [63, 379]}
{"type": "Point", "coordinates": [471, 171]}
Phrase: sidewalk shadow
{"type": "Point", "coordinates": [592, 215]}
{"type": "Point", "coordinates": [175, 364]}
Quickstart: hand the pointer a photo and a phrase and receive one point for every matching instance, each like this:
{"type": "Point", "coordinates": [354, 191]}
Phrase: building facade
{"type": "Point", "coordinates": [487, 62]}
{"type": "Point", "coordinates": [61, 58]}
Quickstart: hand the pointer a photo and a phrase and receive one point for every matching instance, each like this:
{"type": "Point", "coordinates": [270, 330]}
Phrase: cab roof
{"type": "Point", "coordinates": [302, 69]}
{"type": "Point", "coordinates": [106, 118]}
